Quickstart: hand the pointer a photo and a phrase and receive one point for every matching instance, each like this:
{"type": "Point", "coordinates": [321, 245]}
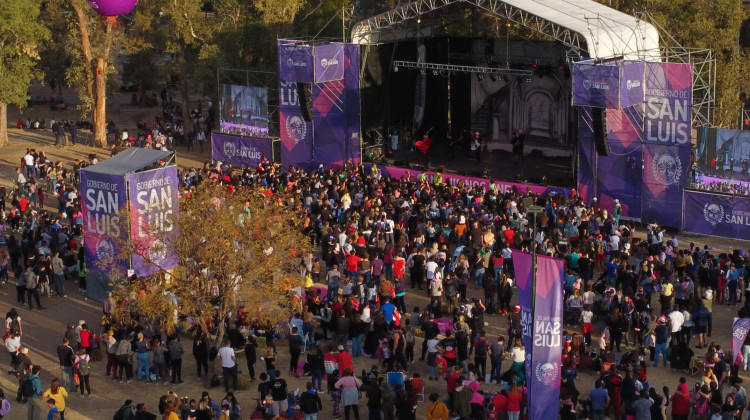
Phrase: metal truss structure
{"type": "Point", "coordinates": [413, 10]}
{"type": "Point", "coordinates": [464, 69]}
{"type": "Point", "coordinates": [703, 62]}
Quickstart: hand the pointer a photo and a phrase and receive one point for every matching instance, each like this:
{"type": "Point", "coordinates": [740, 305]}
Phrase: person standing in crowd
{"type": "Point", "coordinates": [228, 365]}
{"type": "Point", "coordinates": [65, 355]}
{"type": "Point", "coordinates": [176, 352]}
{"type": "Point", "coordinates": [82, 366]}
{"type": "Point", "coordinates": [31, 283]}
{"type": "Point", "coordinates": [57, 393]}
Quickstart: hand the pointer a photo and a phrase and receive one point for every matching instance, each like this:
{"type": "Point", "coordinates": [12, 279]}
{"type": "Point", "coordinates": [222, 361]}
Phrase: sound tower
{"type": "Point", "coordinates": [599, 122]}
{"type": "Point", "coordinates": [304, 92]}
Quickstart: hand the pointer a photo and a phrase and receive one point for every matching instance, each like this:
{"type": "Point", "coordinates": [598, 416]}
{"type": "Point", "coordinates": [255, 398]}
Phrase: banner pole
{"type": "Point", "coordinates": [534, 210]}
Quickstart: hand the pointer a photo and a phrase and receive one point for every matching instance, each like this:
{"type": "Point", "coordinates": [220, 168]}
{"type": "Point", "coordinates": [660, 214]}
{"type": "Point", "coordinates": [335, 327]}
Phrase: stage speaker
{"type": "Point", "coordinates": [599, 122]}
{"type": "Point", "coordinates": [304, 92]}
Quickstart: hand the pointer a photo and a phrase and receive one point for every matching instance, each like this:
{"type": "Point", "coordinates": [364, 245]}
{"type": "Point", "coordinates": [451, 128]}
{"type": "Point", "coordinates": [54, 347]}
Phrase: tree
{"type": "Point", "coordinates": [95, 35]}
{"type": "Point", "coordinates": [20, 38]}
{"type": "Point", "coordinates": [235, 250]}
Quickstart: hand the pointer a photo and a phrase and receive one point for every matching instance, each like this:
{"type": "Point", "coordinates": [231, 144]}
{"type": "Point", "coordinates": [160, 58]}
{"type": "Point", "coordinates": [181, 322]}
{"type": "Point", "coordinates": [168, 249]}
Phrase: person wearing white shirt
{"type": "Point", "coordinates": [228, 365]}
{"type": "Point", "coordinates": [431, 266]}
{"type": "Point", "coordinates": [676, 319]}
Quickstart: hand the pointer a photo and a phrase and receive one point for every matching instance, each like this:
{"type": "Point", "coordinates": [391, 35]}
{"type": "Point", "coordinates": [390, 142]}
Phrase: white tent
{"type": "Point", "coordinates": [591, 28]}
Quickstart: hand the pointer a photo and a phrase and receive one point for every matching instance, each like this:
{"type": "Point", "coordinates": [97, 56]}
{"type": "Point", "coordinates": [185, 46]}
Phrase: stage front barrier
{"type": "Point", "coordinates": [240, 151]}
{"type": "Point", "coordinates": [723, 215]}
{"type": "Point", "coordinates": [503, 186]}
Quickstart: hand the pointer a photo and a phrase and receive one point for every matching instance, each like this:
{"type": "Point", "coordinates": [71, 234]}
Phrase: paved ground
{"type": "Point", "coordinates": [44, 329]}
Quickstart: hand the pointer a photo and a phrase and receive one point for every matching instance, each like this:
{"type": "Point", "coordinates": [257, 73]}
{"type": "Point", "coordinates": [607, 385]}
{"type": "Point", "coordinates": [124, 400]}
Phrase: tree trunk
{"type": "Point", "coordinates": [185, 91]}
{"type": "Point", "coordinates": [100, 117]}
{"type": "Point", "coordinates": [4, 125]}
{"type": "Point", "coordinates": [100, 109]}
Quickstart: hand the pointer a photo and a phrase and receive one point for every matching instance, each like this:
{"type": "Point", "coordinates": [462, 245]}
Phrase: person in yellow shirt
{"type": "Point", "coordinates": [57, 393]}
{"type": "Point", "coordinates": [437, 409]}
{"type": "Point", "coordinates": [667, 296]}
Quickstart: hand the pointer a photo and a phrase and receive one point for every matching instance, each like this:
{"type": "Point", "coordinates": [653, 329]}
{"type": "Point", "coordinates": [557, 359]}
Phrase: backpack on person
{"type": "Point", "coordinates": [120, 413]}
{"type": "Point", "coordinates": [481, 349]}
{"type": "Point", "coordinates": [409, 336]}
{"type": "Point", "coordinates": [4, 408]}
{"type": "Point", "coordinates": [27, 387]}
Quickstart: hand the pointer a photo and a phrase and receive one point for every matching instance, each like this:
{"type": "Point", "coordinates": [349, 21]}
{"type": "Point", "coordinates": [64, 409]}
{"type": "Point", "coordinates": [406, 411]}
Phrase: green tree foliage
{"type": "Point", "coordinates": [714, 24]}
{"type": "Point", "coordinates": [21, 35]}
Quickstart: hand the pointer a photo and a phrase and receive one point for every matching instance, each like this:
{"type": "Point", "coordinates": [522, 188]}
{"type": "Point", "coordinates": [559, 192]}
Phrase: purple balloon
{"type": "Point", "coordinates": [112, 7]}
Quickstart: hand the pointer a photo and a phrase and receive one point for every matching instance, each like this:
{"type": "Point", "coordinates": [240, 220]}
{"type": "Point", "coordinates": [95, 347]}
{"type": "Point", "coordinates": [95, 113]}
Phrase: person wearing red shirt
{"type": "Point", "coordinates": [452, 380]}
{"type": "Point", "coordinates": [398, 267]}
{"type": "Point", "coordinates": [87, 339]}
{"type": "Point", "coordinates": [23, 203]}
{"type": "Point", "coordinates": [681, 402]}
{"type": "Point", "coordinates": [500, 401]}
{"type": "Point", "coordinates": [514, 400]}
{"type": "Point", "coordinates": [509, 233]}
{"type": "Point", "coordinates": [352, 263]}
{"type": "Point", "coordinates": [345, 360]}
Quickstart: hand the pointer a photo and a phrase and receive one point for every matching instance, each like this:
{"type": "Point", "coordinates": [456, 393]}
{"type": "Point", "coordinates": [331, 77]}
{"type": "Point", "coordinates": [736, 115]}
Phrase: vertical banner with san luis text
{"type": "Point", "coordinates": [153, 209]}
{"type": "Point", "coordinates": [542, 320]}
{"type": "Point", "coordinates": [666, 135]}
{"type": "Point", "coordinates": [103, 197]}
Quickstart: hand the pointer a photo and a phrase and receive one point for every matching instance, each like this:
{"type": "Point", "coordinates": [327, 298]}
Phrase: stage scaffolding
{"type": "Point", "coordinates": [635, 41]}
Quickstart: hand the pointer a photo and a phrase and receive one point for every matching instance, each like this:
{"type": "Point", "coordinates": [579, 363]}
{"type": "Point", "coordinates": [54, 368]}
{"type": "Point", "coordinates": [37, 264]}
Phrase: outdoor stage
{"type": "Point", "coordinates": [495, 164]}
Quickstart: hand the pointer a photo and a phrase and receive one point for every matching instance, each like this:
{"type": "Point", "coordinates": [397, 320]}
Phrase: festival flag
{"type": "Point", "coordinates": [542, 318]}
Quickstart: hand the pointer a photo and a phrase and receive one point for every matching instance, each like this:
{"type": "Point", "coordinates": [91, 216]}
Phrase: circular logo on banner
{"type": "Point", "coordinates": [229, 149]}
{"type": "Point", "coordinates": [157, 252]}
{"type": "Point", "coordinates": [666, 169]}
{"type": "Point", "coordinates": [713, 213]}
{"type": "Point", "coordinates": [546, 373]}
{"type": "Point", "coordinates": [105, 251]}
{"type": "Point", "coordinates": [587, 84]}
{"type": "Point", "coordinates": [296, 128]}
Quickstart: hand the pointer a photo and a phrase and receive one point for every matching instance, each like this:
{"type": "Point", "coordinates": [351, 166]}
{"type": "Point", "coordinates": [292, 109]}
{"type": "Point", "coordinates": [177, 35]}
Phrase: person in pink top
{"type": "Point", "coordinates": [349, 386]}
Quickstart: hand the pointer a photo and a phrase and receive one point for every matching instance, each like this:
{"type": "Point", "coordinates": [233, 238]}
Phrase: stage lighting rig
{"type": "Point", "coordinates": [479, 71]}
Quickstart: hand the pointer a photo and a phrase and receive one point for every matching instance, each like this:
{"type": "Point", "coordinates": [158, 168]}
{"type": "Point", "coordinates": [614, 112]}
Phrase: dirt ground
{"type": "Point", "coordinates": [43, 330]}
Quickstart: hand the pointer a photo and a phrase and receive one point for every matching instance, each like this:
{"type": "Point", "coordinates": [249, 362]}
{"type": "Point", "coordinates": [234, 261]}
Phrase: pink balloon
{"type": "Point", "coordinates": [112, 7]}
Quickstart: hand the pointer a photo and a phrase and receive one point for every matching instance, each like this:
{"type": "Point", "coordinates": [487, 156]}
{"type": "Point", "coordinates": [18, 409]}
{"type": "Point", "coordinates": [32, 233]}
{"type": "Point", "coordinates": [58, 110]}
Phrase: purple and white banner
{"type": "Point", "coordinates": [740, 328]}
{"type": "Point", "coordinates": [666, 156]}
{"type": "Point", "coordinates": [722, 215]}
{"type": "Point", "coordinates": [470, 182]}
{"type": "Point", "coordinates": [329, 62]}
{"type": "Point", "coordinates": [669, 101]}
{"type": "Point", "coordinates": [103, 196]}
{"type": "Point", "coordinates": [153, 208]}
{"type": "Point", "coordinates": [632, 84]}
{"type": "Point", "coordinates": [295, 62]}
{"type": "Point", "coordinates": [596, 85]}
{"type": "Point", "coordinates": [542, 333]}
{"type": "Point", "coordinates": [238, 151]}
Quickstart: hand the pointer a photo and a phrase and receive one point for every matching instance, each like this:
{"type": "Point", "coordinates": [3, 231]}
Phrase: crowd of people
{"type": "Point", "coordinates": [630, 303]}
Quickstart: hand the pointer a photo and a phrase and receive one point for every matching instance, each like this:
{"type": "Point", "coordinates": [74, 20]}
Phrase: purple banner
{"type": "Point", "coordinates": [240, 152]}
{"type": "Point", "coordinates": [596, 85]}
{"type": "Point", "coordinates": [666, 158]}
{"type": "Point", "coordinates": [153, 208]}
{"type": "Point", "coordinates": [351, 89]}
{"type": "Point", "coordinates": [619, 175]}
{"type": "Point", "coordinates": [632, 84]}
{"type": "Point", "coordinates": [470, 182]}
{"type": "Point", "coordinates": [542, 330]}
{"type": "Point", "coordinates": [103, 196]}
{"type": "Point", "coordinates": [329, 123]}
{"type": "Point", "coordinates": [329, 62]}
{"type": "Point", "coordinates": [669, 102]}
{"type": "Point", "coordinates": [586, 156]}
{"type": "Point", "coordinates": [295, 62]}
{"type": "Point", "coordinates": [722, 215]}
{"type": "Point", "coordinates": [740, 329]}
